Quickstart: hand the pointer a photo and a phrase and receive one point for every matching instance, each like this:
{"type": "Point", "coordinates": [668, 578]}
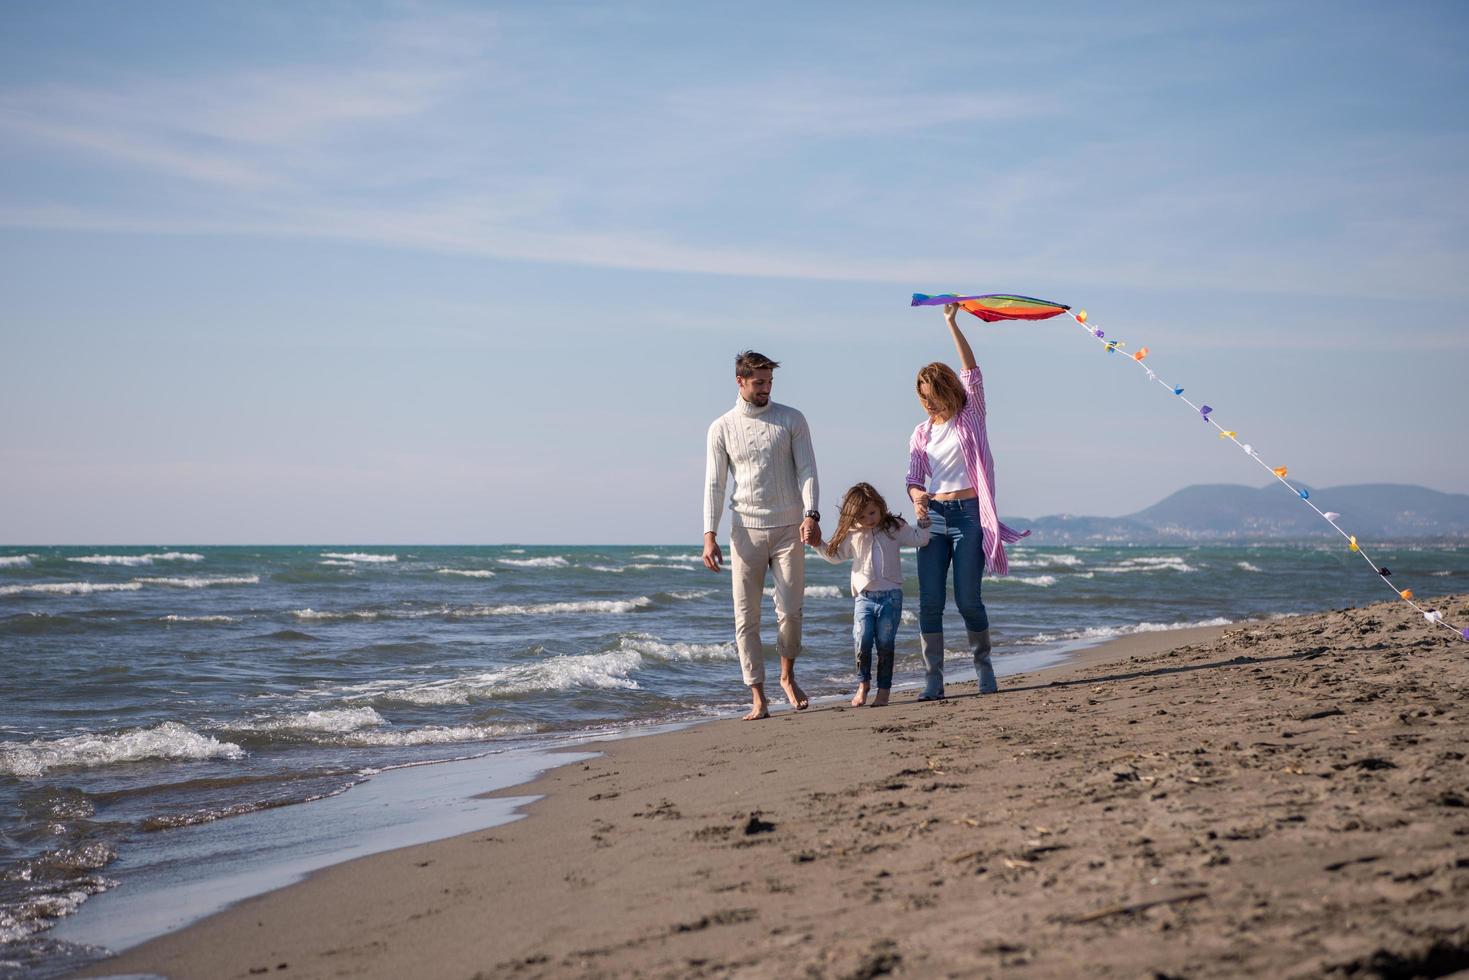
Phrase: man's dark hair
{"type": "Point", "coordinates": [748, 362]}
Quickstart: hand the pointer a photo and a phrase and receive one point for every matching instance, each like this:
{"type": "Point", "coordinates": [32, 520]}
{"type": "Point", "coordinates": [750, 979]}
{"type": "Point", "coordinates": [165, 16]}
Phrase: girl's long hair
{"type": "Point", "coordinates": [944, 387]}
{"type": "Point", "coordinates": [854, 503]}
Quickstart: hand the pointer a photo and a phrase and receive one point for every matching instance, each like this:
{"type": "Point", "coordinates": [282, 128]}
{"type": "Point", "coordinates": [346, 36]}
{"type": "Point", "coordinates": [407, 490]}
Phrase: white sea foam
{"type": "Point", "coordinates": [691, 559]}
{"type": "Point", "coordinates": [1044, 581]}
{"type": "Point", "coordinates": [1148, 563]}
{"type": "Point", "coordinates": [687, 594]}
{"type": "Point", "coordinates": [338, 562]}
{"type": "Point", "coordinates": [818, 592]}
{"type": "Point", "coordinates": [14, 561]}
{"type": "Point", "coordinates": [559, 673]}
{"type": "Point", "coordinates": [616, 606]}
{"type": "Point", "coordinates": [70, 588]}
{"type": "Point", "coordinates": [199, 619]}
{"type": "Point", "coordinates": [548, 561]}
{"type": "Point", "coordinates": [434, 735]}
{"type": "Point", "coordinates": [358, 556]}
{"type": "Point", "coordinates": [909, 617]}
{"type": "Point", "coordinates": [1029, 560]}
{"type": "Point", "coordinates": [202, 581]}
{"type": "Point", "coordinates": [169, 740]}
{"type": "Point", "coordinates": [324, 616]}
{"type": "Point", "coordinates": [1248, 567]}
{"type": "Point", "coordinates": [556, 608]}
{"type": "Point", "coordinates": [1108, 632]}
{"type": "Point", "coordinates": [637, 567]}
{"type": "Point", "coordinates": [1440, 574]}
{"type": "Point", "coordinates": [468, 572]}
{"type": "Point", "coordinates": [652, 648]}
{"type": "Point", "coordinates": [331, 721]}
{"type": "Point", "coordinates": [133, 560]}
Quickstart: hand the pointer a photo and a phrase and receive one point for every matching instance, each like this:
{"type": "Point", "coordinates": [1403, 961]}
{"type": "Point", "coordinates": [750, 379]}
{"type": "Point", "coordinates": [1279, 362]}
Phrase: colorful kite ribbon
{"type": "Point", "coordinates": [1001, 306]}
{"type": "Point", "coordinates": [1279, 472]}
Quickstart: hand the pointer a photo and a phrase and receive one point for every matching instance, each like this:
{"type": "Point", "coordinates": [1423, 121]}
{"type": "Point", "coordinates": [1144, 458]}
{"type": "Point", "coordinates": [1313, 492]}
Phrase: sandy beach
{"type": "Point", "coordinates": [1284, 798]}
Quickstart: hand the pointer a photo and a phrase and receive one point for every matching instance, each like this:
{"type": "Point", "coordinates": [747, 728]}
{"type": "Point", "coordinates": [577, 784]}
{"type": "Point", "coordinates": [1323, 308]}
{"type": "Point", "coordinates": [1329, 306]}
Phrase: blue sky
{"type": "Point", "coordinates": [403, 272]}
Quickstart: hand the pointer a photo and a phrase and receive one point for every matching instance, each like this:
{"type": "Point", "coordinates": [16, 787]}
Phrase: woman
{"type": "Point", "coordinates": [951, 479]}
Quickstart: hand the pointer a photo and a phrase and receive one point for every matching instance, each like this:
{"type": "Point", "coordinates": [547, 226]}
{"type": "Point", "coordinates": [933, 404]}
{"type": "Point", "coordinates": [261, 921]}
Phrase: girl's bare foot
{"type": "Point", "coordinates": [882, 697]}
{"type": "Point", "coordinates": [797, 697]}
{"type": "Point", "coordinates": [860, 698]}
{"type": "Point", "coordinates": [760, 709]}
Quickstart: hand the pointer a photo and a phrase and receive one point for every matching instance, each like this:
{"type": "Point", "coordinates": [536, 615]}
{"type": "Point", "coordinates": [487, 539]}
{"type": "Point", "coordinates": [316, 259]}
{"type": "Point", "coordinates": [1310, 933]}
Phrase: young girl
{"type": "Point", "coordinates": [870, 535]}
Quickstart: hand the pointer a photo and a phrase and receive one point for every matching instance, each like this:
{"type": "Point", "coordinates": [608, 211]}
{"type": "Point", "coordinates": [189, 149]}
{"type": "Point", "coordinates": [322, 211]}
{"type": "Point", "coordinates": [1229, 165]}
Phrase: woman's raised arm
{"type": "Point", "coordinates": [966, 355]}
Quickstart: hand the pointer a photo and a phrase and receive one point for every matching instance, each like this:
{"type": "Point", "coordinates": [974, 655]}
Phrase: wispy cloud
{"type": "Point", "coordinates": [435, 133]}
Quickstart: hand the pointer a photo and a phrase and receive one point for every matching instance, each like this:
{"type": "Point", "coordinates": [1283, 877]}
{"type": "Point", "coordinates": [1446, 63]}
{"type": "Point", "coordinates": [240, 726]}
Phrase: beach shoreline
{"type": "Point", "coordinates": [1122, 810]}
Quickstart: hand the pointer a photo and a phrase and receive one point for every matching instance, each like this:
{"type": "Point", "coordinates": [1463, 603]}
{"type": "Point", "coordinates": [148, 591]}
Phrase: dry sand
{"type": "Point", "coordinates": [1288, 798]}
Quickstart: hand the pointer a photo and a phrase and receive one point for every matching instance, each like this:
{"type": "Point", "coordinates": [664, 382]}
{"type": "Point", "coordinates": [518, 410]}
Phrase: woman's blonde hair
{"type": "Point", "coordinates": [854, 503]}
{"type": "Point", "coordinates": [945, 390]}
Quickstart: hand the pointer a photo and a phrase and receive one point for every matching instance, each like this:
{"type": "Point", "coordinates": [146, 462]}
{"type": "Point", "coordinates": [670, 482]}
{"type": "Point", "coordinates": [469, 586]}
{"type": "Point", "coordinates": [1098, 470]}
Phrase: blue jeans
{"type": "Point", "coordinates": [875, 619]}
{"type": "Point", "coordinates": [957, 540]}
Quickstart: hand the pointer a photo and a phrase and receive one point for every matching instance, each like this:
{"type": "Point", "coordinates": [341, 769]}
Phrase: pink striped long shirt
{"type": "Point", "coordinates": [975, 443]}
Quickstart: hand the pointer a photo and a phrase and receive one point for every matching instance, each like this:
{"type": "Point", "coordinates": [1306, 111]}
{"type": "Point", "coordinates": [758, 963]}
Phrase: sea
{"type": "Point", "coordinates": [155, 695]}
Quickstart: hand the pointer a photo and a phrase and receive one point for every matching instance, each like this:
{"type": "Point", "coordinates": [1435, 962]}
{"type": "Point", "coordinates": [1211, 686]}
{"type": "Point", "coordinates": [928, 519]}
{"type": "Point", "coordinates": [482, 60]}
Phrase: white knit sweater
{"type": "Point", "coordinates": [774, 467]}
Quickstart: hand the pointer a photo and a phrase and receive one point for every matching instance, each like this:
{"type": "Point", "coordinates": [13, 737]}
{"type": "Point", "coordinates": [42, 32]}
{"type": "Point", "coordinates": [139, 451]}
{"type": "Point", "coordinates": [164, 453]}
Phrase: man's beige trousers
{"type": "Point", "coordinates": [778, 549]}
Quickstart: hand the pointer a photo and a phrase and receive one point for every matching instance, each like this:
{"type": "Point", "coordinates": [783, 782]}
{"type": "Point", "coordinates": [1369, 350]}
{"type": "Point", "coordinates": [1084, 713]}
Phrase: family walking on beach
{"type": "Point", "coordinates": [774, 514]}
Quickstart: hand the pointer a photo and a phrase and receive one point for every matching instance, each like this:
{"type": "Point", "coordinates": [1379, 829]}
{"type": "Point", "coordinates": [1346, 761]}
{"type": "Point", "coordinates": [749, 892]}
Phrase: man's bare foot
{"type": "Point", "coordinates": [760, 709]}
{"type": "Point", "coordinates": [797, 697]}
{"type": "Point", "coordinates": [882, 697]}
{"type": "Point", "coordinates": [860, 698]}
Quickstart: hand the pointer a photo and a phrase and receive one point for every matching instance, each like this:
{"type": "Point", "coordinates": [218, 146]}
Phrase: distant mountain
{"type": "Point", "coordinates": [1229, 512]}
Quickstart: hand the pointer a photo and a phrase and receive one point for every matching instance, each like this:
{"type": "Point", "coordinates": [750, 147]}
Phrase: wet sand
{"type": "Point", "coordinates": [1286, 798]}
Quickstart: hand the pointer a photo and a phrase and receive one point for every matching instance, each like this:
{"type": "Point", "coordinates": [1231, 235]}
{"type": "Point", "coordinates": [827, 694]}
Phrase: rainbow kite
{"type": "Point", "coordinates": [998, 306]}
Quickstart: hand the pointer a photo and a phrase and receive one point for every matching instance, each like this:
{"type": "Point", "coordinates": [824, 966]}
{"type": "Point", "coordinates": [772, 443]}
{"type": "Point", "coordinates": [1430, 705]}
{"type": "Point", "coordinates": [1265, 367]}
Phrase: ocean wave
{"type": "Point", "coordinates": [638, 567]}
{"type": "Point", "coordinates": [132, 560]}
{"type": "Point", "coordinates": [170, 740]}
{"type": "Point", "coordinates": [818, 592]}
{"type": "Point", "coordinates": [434, 735]}
{"type": "Point", "coordinates": [472, 612]}
{"type": "Point", "coordinates": [690, 559]}
{"type": "Point", "coordinates": [1109, 632]}
{"type": "Point", "coordinates": [70, 588]}
{"type": "Point", "coordinates": [1248, 567]}
{"type": "Point", "coordinates": [313, 615]}
{"type": "Point", "coordinates": [14, 561]}
{"type": "Point", "coordinates": [38, 912]}
{"type": "Point", "coordinates": [339, 563]}
{"type": "Point", "coordinates": [1044, 561]}
{"type": "Point", "coordinates": [564, 672]}
{"type": "Point", "coordinates": [689, 594]}
{"type": "Point", "coordinates": [652, 648]}
{"type": "Point", "coordinates": [334, 721]}
{"type": "Point", "coordinates": [556, 608]}
{"type": "Point", "coordinates": [1044, 581]}
{"type": "Point", "coordinates": [199, 619]}
{"type": "Point", "coordinates": [359, 556]}
{"type": "Point", "coordinates": [201, 582]}
{"type": "Point", "coordinates": [550, 561]}
{"type": "Point", "coordinates": [468, 572]}
{"type": "Point", "coordinates": [1164, 563]}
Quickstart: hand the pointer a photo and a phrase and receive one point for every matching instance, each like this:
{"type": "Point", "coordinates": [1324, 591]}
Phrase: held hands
{"type": "Point", "coordinates": [713, 557]}
{"type": "Point", "coordinates": [810, 532]}
{"type": "Point", "coordinates": [920, 498]}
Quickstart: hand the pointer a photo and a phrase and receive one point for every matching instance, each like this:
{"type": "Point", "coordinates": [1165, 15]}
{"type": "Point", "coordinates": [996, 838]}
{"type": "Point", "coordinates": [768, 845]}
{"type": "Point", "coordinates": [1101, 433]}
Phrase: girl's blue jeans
{"type": "Point", "coordinates": [875, 619]}
{"type": "Point", "coordinates": [956, 541]}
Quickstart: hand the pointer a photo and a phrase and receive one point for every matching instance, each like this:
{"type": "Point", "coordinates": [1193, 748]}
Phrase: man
{"type": "Point", "coordinates": [772, 516]}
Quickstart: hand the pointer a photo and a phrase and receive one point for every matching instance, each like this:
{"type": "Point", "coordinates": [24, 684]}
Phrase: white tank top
{"type": "Point", "coordinates": [946, 470]}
